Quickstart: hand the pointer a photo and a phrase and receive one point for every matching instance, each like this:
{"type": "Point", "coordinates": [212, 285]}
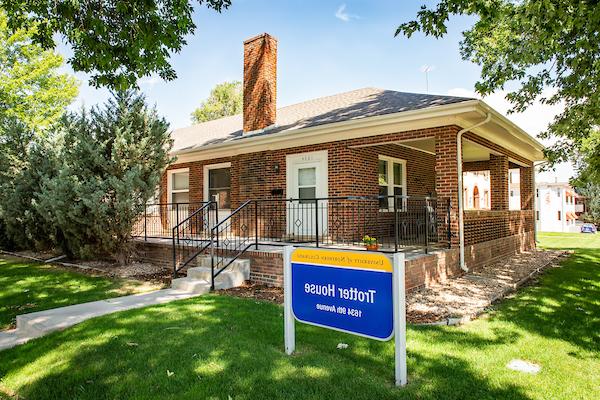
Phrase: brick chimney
{"type": "Point", "coordinates": [260, 82]}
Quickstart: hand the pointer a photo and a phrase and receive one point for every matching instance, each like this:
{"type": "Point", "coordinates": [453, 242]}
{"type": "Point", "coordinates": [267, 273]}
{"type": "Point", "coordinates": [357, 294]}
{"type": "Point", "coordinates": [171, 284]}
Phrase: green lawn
{"type": "Point", "coordinates": [27, 287]}
{"type": "Point", "coordinates": [217, 347]}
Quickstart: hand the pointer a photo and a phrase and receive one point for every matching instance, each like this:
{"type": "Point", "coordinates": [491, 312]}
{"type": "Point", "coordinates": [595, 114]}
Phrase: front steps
{"type": "Point", "coordinates": [197, 283]}
{"type": "Point", "coordinates": [198, 278]}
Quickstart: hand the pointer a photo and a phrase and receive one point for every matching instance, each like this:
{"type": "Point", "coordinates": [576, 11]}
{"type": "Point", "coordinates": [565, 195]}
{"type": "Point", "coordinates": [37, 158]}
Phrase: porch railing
{"type": "Point", "coordinates": [399, 223]}
{"type": "Point", "coordinates": [159, 219]}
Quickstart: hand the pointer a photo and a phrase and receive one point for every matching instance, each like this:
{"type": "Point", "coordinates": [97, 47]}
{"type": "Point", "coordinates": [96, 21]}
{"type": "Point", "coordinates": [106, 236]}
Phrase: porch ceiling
{"type": "Point", "coordinates": [471, 151]}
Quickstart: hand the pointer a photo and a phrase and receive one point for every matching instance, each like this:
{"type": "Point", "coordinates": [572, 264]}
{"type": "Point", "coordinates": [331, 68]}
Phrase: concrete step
{"type": "Point", "coordinates": [204, 272]}
{"type": "Point", "coordinates": [191, 285]}
{"type": "Point", "coordinates": [204, 261]}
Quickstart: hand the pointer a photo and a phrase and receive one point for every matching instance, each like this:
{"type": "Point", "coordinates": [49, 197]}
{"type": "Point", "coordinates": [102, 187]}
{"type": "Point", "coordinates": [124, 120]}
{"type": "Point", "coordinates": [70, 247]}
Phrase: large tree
{"type": "Point", "coordinates": [111, 162]}
{"type": "Point", "coordinates": [32, 88]}
{"type": "Point", "coordinates": [225, 99]}
{"type": "Point", "coordinates": [539, 46]}
{"type": "Point", "coordinates": [116, 41]}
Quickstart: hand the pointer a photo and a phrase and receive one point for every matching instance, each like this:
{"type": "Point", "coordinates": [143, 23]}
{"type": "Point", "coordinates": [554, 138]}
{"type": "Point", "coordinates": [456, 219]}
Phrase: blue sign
{"type": "Point", "coordinates": [347, 291]}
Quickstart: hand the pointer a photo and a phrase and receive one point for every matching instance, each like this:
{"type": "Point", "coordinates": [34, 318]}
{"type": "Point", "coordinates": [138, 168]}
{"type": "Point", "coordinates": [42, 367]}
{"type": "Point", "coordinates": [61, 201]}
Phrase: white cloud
{"type": "Point", "coordinates": [343, 15]}
{"type": "Point", "coordinates": [533, 120]}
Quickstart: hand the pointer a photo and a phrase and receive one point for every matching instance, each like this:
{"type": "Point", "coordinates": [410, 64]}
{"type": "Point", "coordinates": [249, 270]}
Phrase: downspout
{"type": "Point", "coordinates": [461, 207]}
{"type": "Point", "coordinates": [534, 205]}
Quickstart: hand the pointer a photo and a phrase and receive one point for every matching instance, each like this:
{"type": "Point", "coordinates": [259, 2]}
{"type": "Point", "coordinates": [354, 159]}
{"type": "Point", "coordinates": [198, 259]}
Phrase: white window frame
{"type": "Point", "coordinates": [170, 190]}
{"type": "Point", "coordinates": [205, 171]}
{"type": "Point", "coordinates": [390, 183]}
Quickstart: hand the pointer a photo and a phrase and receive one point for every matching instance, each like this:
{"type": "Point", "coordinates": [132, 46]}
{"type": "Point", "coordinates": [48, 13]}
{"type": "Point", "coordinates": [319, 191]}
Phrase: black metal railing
{"type": "Point", "coordinates": [192, 235]}
{"type": "Point", "coordinates": [231, 237]}
{"type": "Point", "coordinates": [159, 219]}
{"type": "Point", "coordinates": [398, 223]}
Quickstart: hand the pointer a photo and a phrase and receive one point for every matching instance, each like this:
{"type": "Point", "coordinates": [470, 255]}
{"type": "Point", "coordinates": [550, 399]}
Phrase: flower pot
{"type": "Point", "coordinates": [372, 247]}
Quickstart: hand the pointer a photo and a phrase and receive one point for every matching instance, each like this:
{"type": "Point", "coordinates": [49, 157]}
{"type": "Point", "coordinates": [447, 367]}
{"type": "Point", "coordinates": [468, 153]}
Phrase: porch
{"type": "Point", "coordinates": [395, 223]}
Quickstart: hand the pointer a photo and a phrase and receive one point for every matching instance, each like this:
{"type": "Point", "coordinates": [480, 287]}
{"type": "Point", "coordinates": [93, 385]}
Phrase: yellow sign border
{"type": "Point", "coordinates": [343, 259]}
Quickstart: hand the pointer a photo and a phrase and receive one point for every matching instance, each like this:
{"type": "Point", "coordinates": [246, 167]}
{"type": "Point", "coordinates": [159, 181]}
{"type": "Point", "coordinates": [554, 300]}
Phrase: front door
{"type": "Point", "coordinates": [307, 189]}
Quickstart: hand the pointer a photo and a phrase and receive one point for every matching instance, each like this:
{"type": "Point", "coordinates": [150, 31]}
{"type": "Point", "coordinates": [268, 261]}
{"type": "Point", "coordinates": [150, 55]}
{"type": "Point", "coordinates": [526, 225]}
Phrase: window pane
{"type": "Point", "coordinates": [398, 191]}
{"type": "Point", "coordinates": [397, 174]}
{"type": "Point", "coordinates": [383, 178]}
{"type": "Point", "coordinates": [307, 176]}
{"type": "Point", "coordinates": [383, 201]}
{"type": "Point", "coordinates": [182, 197]}
{"type": "Point", "coordinates": [221, 196]}
{"type": "Point", "coordinates": [307, 193]}
{"type": "Point", "coordinates": [219, 178]}
{"type": "Point", "coordinates": [181, 181]}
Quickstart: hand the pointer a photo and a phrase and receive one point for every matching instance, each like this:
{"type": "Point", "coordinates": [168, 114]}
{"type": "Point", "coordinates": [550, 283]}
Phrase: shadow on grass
{"type": "Point", "coordinates": [565, 306]}
{"type": "Point", "coordinates": [217, 346]}
{"type": "Point", "coordinates": [27, 287]}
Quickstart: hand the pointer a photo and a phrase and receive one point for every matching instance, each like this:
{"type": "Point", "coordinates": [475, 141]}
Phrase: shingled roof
{"type": "Point", "coordinates": [357, 104]}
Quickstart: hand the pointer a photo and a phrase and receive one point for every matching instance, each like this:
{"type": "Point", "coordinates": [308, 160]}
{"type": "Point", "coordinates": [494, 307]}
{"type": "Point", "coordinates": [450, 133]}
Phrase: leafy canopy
{"type": "Point", "coordinates": [537, 45]}
{"type": "Point", "coordinates": [225, 99]}
{"type": "Point", "coordinates": [31, 88]}
{"type": "Point", "coordinates": [116, 41]}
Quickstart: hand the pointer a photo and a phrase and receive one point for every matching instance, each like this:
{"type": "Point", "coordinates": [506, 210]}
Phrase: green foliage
{"type": "Point", "coordinates": [538, 45]}
{"type": "Point", "coordinates": [26, 159]}
{"type": "Point", "coordinates": [31, 87]}
{"type": "Point", "coordinates": [225, 99]}
{"type": "Point", "coordinates": [111, 162]}
{"type": "Point", "coordinates": [116, 41]}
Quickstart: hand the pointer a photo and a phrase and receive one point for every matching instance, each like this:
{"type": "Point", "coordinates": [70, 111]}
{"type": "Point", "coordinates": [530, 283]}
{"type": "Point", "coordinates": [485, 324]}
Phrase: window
{"type": "Point", "coordinates": [392, 180]}
{"type": "Point", "coordinates": [559, 216]}
{"type": "Point", "coordinates": [219, 186]}
{"type": "Point", "coordinates": [179, 186]}
{"type": "Point", "coordinates": [307, 184]}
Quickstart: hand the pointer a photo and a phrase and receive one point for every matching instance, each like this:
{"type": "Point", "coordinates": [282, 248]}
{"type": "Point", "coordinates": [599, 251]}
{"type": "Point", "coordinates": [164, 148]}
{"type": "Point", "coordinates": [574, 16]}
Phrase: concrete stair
{"type": "Point", "coordinates": [233, 276]}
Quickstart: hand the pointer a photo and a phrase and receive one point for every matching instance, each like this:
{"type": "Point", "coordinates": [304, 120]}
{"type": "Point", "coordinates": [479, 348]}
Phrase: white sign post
{"type": "Point", "coordinates": [289, 327]}
{"type": "Point", "coordinates": [400, 320]}
{"type": "Point", "coordinates": [364, 280]}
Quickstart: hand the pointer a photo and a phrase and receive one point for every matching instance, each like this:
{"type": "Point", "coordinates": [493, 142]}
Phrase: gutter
{"type": "Point", "coordinates": [461, 206]}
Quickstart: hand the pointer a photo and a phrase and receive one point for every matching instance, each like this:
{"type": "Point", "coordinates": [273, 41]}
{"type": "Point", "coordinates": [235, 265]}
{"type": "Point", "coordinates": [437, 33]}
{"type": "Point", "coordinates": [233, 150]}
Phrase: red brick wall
{"type": "Point", "coordinates": [499, 182]}
{"type": "Point", "coordinates": [260, 82]}
{"type": "Point", "coordinates": [482, 225]}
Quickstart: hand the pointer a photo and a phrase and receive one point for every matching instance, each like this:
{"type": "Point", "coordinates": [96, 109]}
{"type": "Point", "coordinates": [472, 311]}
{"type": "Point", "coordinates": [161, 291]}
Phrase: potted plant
{"type": "Point", "coordinates": [370, 242]}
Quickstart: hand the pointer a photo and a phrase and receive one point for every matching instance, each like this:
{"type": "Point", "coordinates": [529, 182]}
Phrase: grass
{"type": "Point", "coordinates": [27, 287]}
{"type": "Point", "coordinates": [217, 347]}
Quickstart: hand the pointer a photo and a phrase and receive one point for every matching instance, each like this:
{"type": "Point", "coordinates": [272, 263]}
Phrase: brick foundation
{"type": "Point", "coordinates": [421, 271]}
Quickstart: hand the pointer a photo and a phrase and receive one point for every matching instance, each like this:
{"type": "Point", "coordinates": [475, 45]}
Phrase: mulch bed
{"type": "Point", "coordinates": [256, 291]}
{"type": "Point", "coordinates": [134, 270]}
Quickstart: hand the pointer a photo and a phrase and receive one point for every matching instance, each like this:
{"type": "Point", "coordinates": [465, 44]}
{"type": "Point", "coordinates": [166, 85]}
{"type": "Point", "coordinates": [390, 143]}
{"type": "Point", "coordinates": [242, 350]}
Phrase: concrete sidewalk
{"type": "Point", "coordinates": [30, 326]}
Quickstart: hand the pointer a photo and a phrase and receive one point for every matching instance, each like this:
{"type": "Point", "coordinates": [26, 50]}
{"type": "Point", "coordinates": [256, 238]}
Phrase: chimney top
{"type": "Point", "coordinates": [260, 82]}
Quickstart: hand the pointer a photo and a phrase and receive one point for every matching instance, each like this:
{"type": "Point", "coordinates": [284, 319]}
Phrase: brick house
{"type": "Point", "coordinates": [328, 171]}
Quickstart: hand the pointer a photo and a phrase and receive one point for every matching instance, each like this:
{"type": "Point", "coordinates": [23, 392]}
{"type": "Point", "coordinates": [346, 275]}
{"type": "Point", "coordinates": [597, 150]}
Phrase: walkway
{"type": "Point", "coordinates": [30, 326]}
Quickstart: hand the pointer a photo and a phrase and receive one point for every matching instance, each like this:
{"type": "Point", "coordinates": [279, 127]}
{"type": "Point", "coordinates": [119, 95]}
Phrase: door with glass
{"type": "Point", "coordinates": [307, 187]}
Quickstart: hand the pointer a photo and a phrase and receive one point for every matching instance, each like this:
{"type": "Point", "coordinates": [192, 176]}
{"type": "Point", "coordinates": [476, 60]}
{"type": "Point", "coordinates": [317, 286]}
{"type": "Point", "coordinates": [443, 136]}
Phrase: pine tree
{"type": "Point", "coordinates": [112, 160]}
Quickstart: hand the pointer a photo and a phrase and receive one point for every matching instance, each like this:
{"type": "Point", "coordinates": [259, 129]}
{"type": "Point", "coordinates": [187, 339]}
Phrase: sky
{"type": "Point", "coordinates": [324, 47]}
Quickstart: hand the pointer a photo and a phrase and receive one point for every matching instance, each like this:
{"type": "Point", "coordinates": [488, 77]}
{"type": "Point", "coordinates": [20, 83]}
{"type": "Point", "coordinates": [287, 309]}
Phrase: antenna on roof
{"type": "Point", "coordinates": [427, 69]}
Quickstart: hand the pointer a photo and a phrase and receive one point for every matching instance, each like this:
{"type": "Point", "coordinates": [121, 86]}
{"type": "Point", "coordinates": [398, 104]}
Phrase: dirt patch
{"type": "Point", "coordinates": [158, 275]}
{"type": "Point", "coordinates": [256, 291]}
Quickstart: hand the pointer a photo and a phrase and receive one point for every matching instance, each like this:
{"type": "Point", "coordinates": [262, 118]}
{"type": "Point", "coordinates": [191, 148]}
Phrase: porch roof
{"type": "Point", "coordinates": [353, 105]}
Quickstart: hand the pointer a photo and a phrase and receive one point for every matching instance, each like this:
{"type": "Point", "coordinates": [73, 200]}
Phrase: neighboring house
{"type": "Point", "coordinates": [330, 170]}
{"type": "Point", "coordinates": [556, 207]}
